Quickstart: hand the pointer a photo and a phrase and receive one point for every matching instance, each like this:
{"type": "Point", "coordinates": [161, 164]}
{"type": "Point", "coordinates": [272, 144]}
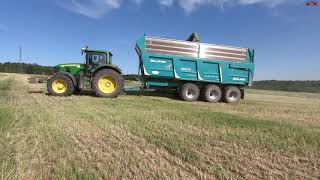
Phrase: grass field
{"type": "Point", "coordinates": [267, 135]}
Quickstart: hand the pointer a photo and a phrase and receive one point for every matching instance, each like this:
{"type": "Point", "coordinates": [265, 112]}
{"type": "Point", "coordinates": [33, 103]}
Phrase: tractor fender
{"type": "Point", "coordinates": [107, 67]}
{"type": "Point", "coordinates": [71, 76]}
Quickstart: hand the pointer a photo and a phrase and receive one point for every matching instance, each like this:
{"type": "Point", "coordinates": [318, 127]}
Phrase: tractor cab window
{"type": "Point", "coordinates": [96, 59]}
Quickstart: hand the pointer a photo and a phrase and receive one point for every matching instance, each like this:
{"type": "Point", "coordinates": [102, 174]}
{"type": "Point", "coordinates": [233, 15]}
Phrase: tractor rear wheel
{"type": "Point", "coordinates": [108, 83]}
{"type": "Point", "coordinates": [189, 92]}
{"type": "Point", "coordinates": [60, 85]}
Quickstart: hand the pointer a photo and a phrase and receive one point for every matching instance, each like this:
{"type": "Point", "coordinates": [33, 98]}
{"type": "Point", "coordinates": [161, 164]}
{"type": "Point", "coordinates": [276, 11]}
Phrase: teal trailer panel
{"type": "Point", "coordinates": [166, 62]}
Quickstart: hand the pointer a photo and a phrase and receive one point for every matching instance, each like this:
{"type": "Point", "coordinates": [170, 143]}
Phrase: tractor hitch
{"type": "Point", "coordinates": [37, 79]}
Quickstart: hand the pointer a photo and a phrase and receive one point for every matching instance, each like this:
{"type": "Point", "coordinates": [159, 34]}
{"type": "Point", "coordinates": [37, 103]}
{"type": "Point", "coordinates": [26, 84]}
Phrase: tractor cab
{"type": "Point", "coordinates": [96, 57]}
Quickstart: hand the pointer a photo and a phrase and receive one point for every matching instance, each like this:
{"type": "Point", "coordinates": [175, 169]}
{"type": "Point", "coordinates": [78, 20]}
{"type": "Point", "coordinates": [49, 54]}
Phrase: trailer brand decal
{"type": "Point", "coordinates": [185, 69]}
{"type": "Point", "coordinates": [158, 61]}
{"type": "Point", "coordinates": [209, 76]}
{"type": "Point", "coordinates": [155, 72]}
{"type": "Point", "coordinates": [238, 79]}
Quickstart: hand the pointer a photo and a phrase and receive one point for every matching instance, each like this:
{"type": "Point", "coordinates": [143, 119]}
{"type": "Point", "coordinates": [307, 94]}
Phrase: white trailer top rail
{"type": "Point", "coordinates": [195, 49]}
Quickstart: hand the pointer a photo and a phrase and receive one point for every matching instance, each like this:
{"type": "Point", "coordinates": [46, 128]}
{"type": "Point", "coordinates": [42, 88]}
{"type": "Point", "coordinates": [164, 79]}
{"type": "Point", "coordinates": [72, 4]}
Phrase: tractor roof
{"type": "Point", "coordinates": [96, 51]}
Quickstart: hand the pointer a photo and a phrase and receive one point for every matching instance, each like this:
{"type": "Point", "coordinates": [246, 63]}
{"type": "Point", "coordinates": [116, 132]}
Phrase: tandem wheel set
{"type": "Point", "coordinates": [192, 70]}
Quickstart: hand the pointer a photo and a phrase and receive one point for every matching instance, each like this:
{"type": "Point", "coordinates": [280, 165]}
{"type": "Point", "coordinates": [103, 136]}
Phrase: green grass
{"type": "Point", "coordinates": [152, 137]}
{"type": "Point", "coordinates": [5, 84]}
{"type": "Point", "coordinates": [5, 119]}
{"type": "Point", "coordinates": [5, 113]}
{"type": "Point", "coordinates": [7, 152]}
{"type": "Point", "coordinates": [167, 128]}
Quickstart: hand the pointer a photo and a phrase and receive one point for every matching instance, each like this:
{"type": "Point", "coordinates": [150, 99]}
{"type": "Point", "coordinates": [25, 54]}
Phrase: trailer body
{"type": "Point", "coordinates": [170, 63]}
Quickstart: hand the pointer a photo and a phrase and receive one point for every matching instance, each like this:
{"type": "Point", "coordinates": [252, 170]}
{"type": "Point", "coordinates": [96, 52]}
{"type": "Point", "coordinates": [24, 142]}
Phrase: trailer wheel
{"type": "Point", "coordinates": [211, 93]}
{"type": "Point", "coordinates": [232, 94]}
{"type": "Point", "coordinates": [189, 92]}
{"type": "Point", "coordinates": [60, 85]}
{"type": "Point", "coordinates": [107, 83]}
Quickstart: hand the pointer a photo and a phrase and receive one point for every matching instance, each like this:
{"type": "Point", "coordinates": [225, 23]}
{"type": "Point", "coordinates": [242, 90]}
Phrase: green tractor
{"type": "Point", "coordinates": [97, 74]}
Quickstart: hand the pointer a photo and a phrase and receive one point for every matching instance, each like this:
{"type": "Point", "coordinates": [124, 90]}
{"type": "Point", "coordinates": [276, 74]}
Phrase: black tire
{"type": "Point", "coordinates": [211, 93]}
{"type": "Point", "coordinates": [116, 78]}
{"type": "Point", "coordinates": [189, 92]}
{"type": "Point", "coordinates": [62, 78]}
{"type": "Point", "coordinates": [232, 94]}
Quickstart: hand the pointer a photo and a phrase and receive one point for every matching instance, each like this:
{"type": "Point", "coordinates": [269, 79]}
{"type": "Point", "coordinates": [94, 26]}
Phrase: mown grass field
{"type": "Point", "coordinates": [267, 135]}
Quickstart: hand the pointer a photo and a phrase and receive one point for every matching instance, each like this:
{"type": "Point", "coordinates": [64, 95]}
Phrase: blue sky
{"type": "Point", "coordinates": [285, 33]}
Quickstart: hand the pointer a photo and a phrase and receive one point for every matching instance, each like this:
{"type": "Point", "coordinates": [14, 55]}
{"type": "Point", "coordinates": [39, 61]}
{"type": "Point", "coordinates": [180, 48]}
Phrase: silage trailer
{"type": "Point", "coordinates": [193, 69]}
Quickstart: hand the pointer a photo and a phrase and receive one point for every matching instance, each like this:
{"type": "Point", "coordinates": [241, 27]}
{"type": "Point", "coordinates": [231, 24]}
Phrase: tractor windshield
{"type": "Point", "coordinates": [96, 59]}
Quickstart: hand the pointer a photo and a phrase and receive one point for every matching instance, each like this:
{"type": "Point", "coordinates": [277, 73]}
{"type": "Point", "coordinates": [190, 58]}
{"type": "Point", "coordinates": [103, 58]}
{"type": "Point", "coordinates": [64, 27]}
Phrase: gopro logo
{"type": "Point", "coordinates": [312, 3]}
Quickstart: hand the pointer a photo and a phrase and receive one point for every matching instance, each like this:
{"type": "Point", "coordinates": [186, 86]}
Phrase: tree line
{"type": "Point", "coordinates": [25, 68]}
{"type": "Point", "coordinates": [293, 86]}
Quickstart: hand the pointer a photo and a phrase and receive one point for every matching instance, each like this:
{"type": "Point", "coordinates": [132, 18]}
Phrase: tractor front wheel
{"type": "Point", "coordinates": [60, 85]}
{"type": "Point", "coordinates": [108, 83]}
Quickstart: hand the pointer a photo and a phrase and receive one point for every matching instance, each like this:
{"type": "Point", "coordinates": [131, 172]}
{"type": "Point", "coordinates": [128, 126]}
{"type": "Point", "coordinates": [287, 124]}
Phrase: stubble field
{"type": "Point", "coordinates": [267, 135]}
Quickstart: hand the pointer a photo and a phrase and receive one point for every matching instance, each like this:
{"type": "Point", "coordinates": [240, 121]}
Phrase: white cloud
{"type": "Point", "coordinates": [98, 8]}
{"type": "Point", "coordinates": [137, 1]}
{"type": "Point", "coordinates": [191, 5]}
{"type": "Point", "coordinates": [92, 8]}
{"type": "Point", "coordinates": [167, 3]}
{"type": "Point", "coordinates": [270, 3]}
